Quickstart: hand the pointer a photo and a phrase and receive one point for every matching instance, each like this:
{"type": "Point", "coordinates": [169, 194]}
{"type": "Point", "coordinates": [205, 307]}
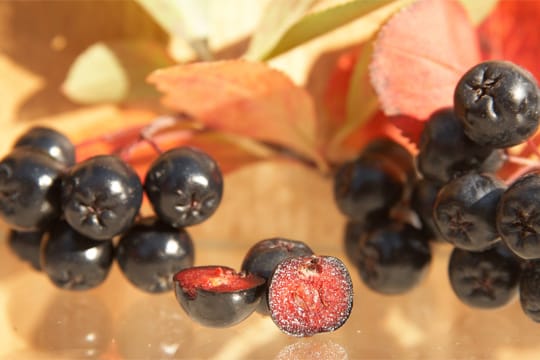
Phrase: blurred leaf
{"type": "Point", "coordinates": [511, 33]}
{"type": "Point", "coordinates": [186, 19]}
{"type": "Point", "coordinates": [243, 98]}
{"type": "Point", "coordinates": [277, 18]}
{"type": "Point", "coordinates": [478, 10]}
{"type": "Point", "coordinates": [319, 23]}
{"type": "Point", "coordinates": [415, 72]}
{"type": "Point", "coordinates": [114, 71]}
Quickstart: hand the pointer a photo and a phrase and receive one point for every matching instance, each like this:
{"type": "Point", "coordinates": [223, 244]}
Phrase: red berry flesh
{"type": "Point", "coordinates": [310, 295]}
{"type": "Point", "coordinates": [218, 296]}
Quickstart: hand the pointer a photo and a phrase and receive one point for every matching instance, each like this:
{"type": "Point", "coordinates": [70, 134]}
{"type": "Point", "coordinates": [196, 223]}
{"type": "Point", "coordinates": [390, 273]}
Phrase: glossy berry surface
{"type": "Point", "coordinates": [263, 257]}
{"type": "Point", "coordinates": [73, 261]}
{"type": "Point", "coordinates": [29, 189]}
{"type": "Point", "coordinates": [465, 211]}
{"type": "Point", "coordinates": [49, 141]}
{"type": "Point", "coordinates": [101, 197]}
{"type": "Point", "coordinates": [498, 104]}
{"type": "Point", "coordinates": [368, 187]}
{"type": "Point", "coordinates": [529, 290]}
{"type": "Point", "coordinates": [486, 279]}
{"type": "Point", "coordinates": [446, 152]}
{"type": "Point", "coordinates": [393, 259]}
{"type": "Point", "coordinates": [26, 245]}
{"type": "Point", "coordinates": [184, 186]}
{"type": "Point", "coordinates": [151, 252]}
{"type": "Point", "coordinates": [218, 296]}
{"type": "Point", "coordinates": [310, 295]}
{"type": "Point", "coordinates": [518, 216]}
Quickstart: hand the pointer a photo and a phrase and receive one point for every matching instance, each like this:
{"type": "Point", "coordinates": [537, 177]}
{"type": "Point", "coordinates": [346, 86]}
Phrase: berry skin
{"type": "Point", "coordinates": [465, 211]}
{"type": "Point", "coordinates": [29, 189]}
{"type": "Point", "coordinates": [486, 279]}
{"type": "Point", "coordinates": [263, 257]}
{"type": "Point", "coordinates": [101, 197]}
{"type": "Point", "coordinates": [368, 187]}
{"type": "Point", "coordinates": [26, 245]}
{"type": "Point", "coordinates": [310, 295]}
{"type": "Point", "coordinates": [445, 152]}
{"type": "Point", "coordinates": [73, 261]}
{"type": "Point", "coordinates": [393, 259]}
{"type": "Point", "coordinates": [529, 290]}
{"type": "Point", "coordinates": [394, 152]}
{"type": "Point", "coordinates": [498, 104]}
{"type": "Point", "coordinates": [518, 216]}
{"type": "Point", "coordinates": [151, 252]}
{"type": "Point", "coordinates": [218, 296]}
{"type": "Point", "coordinates": [50, 142]}
{"type": "Point", "coordinates": [184, 186]}
{"type": "Point", "coordinates": [423, 196]}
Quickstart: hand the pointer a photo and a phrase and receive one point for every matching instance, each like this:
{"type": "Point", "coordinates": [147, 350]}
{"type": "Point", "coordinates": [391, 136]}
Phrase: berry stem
{"type": "Point", "coordinates": [522, 161]}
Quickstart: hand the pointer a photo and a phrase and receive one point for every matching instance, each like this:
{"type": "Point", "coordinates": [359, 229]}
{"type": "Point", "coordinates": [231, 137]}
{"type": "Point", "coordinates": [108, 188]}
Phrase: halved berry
{"type": "Point", "coordinates": [29, 189]}
{"type": "Point", "coordinates": [26, 245]}
{"type": "Point", "coordinates": [49, 141]}
{"type": "Point", "coordinates": [485, 279]}
{"type": "Point", "coordinates": [184, 186]}
{"type": "Point", "coordinates": [73, 261]}
{"type": "Point", "coordinates": [465, 211]}
{"type": "Point", "coordinates": [218, 296]}
{"type": "Point", "coordinates": [498, 104]}
{"type": "Point", "coordinates": [101, 197]}
{"type": "Point", "coordinates": [310, 295]}
{"type": "Point", "coordinates": [263, 257]}
{"type": "Point", "coordinates": [394, 258]}
{"type": "Point", "coordinates": [151, 252]}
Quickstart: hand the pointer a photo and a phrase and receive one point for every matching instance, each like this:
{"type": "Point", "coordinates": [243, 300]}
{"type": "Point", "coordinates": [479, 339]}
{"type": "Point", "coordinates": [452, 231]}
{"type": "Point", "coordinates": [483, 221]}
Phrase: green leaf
{"type": "Point", "coordinates": [278, 17]}
{"type": "Point", "coordinates": [114, 71]}
{"type": "Point", "coordinates": [478, 10]}
{"type": "Point", "coordinates": [315, 24]}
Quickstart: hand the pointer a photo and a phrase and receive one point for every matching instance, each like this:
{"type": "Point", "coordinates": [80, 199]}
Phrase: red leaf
{"type": "Point", "coordinates": [419, 56]}
{"type": "Point", "coordinates": [244, 98]}
{"type": "Point", "coordinates": [510, 32]}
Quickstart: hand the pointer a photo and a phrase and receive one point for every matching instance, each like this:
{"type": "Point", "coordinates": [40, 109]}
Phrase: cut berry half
{"type": "Point", "coordinates": [263, 257]}
{"type": "Point", "coordinates": [310, 295]}
{"type": "Point", "coordinates": [218, 296]}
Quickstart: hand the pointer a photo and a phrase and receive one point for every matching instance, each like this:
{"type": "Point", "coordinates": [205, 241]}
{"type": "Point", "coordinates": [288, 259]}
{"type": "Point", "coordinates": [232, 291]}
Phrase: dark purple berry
{"type": "Point", "coordinates": [218, 296]}
{"type": "Point", "coordinates": [518, 216]}
{"type": "Point", "coordinates": [465, 211]}
{"type": "Point", "coordinates": [485, 279]}
{"type": "Point", "coordinates": [446, 152]}
{"type": "Point", "coordinates": [423, 197]}
{"type": "Point", "coordinates": [151, 252]}
{"type": "Point", "coordinates": [26, 245]}
{"type": "Point", "coordinates": [529, 290]}
{"type": "Point", "coordinates": [310, 295]}
{"type": "Point", "coordinates": [29, 189]}
{"type": "Point", "coordinates": [184, 186]}
{"type": "Point", "coordinates": [393, 151]}
{"type": "Point", "coordinates": [73, 261]}
{"type": "Point", "coordinates": [49, 141]}
{"type": "Point", "coordinates": [368, 187]}
{"type": "Point", "coordinates": [394, 258]}
{"type": "Point", "coordinates": [497, 102]}
{"type": "Point", "coordinates": [263, 257]}
{"type": "Point", "coordinates": [101, 197]}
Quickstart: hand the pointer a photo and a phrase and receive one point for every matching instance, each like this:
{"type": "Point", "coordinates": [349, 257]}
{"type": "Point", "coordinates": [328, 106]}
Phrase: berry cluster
{"type": "Point", "coordinates": [452, 191]}
{"type": "Point", "coordinates": [72, 220]}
